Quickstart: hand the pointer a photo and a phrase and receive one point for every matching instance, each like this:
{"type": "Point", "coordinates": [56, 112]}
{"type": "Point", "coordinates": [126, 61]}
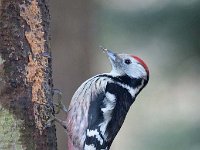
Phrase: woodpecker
{"type": "Point", "coordinates": [99, 106]}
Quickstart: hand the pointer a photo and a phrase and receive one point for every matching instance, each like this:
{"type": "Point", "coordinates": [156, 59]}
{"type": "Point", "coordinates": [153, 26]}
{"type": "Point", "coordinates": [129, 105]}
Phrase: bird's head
{"type": "Point", "coordinates": [126, 64]}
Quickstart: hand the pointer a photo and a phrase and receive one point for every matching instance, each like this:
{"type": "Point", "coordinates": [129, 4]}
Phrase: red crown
{"type": "Point", "coordinates": [141, 62]}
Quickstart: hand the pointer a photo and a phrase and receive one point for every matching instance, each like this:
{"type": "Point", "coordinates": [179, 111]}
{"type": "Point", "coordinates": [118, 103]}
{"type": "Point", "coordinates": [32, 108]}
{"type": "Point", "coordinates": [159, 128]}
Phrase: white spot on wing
{"type": "Point", "coordinates": [110, 102]}
{"type": "Point", "coordinates": [110, 97]}
{"type": "Point", "coordinates": [89, 147]}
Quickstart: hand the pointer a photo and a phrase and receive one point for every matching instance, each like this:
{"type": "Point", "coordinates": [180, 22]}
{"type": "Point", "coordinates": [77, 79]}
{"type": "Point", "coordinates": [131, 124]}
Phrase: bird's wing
{"type": "Point", "coordinates": [84, 110]}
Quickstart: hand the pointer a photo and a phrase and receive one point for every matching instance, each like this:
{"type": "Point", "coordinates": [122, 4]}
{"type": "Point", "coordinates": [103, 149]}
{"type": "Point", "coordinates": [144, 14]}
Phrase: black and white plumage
{"type": "Point", "coordinates": [99, 106]}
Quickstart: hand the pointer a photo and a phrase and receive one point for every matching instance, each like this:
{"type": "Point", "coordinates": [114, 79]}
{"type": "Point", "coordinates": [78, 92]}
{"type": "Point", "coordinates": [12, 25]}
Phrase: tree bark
{"type": "Point", "coordinates": [26, 76]}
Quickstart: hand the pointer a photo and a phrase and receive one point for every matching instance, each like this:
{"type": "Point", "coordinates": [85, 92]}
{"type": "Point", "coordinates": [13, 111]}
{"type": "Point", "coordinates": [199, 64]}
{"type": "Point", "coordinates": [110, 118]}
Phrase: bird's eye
{"type": "Point", "coordinates": [127, 61]}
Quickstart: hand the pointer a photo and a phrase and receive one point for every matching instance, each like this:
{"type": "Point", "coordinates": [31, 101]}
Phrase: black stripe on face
{"type": "Point", "coordinates": [125, 79]}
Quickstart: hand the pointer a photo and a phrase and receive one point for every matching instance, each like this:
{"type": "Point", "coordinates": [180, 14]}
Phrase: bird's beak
{"type": "Point", "coordinates": [114, 59]}
{"type": "Point", "coordinates": [111, 55]}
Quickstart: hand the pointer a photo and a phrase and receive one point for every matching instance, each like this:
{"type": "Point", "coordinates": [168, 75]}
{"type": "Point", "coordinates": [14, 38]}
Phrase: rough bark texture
{"type": "Point", "coordinates": [26, 84]}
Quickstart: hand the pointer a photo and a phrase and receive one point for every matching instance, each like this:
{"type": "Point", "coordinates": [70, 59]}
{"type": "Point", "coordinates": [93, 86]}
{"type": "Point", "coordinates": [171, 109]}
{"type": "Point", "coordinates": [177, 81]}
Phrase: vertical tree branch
{"type": "Point", "coordinates": [26, 97]}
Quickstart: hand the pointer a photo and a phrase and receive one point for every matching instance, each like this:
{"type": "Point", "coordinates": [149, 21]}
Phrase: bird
{"type": "Point", "coordinates": [99, 106]}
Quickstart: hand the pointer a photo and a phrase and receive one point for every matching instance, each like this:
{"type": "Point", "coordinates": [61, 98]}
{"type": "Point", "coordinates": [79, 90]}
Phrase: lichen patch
{"type": "Point", "coordinates": [10, 130]}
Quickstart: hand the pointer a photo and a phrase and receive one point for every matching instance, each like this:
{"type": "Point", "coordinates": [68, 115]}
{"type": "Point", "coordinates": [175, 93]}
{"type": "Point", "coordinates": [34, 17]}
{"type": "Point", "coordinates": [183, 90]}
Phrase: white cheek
{"type": "Point", "coordinates": [135, 71]}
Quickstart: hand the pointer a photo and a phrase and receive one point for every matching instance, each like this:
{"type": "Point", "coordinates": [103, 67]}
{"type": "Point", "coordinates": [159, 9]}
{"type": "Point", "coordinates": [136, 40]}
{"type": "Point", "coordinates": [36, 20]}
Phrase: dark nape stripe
{"type": "Point", "coordinates": [124, 79]}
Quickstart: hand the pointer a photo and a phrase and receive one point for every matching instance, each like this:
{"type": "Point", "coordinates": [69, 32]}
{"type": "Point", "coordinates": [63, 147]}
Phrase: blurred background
{"type": "Point", "coordinates": [165, 34]}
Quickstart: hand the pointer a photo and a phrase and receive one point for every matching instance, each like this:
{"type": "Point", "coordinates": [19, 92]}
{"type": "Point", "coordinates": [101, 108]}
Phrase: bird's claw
{"type": "Point", "coordinates": [59, 106]}
{"type": "Point", "coordinates": [52, 119]}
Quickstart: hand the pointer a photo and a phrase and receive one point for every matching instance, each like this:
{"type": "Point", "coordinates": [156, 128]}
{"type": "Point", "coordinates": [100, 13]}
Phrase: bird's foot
{"type": "Point", "coordinates": [52, 119]}
{"type": "Point", "coordinates": [59, 105]}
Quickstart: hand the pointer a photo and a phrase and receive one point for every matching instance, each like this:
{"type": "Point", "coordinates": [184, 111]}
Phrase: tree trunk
{"type": "Point", "coordinates": [26, 76]}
